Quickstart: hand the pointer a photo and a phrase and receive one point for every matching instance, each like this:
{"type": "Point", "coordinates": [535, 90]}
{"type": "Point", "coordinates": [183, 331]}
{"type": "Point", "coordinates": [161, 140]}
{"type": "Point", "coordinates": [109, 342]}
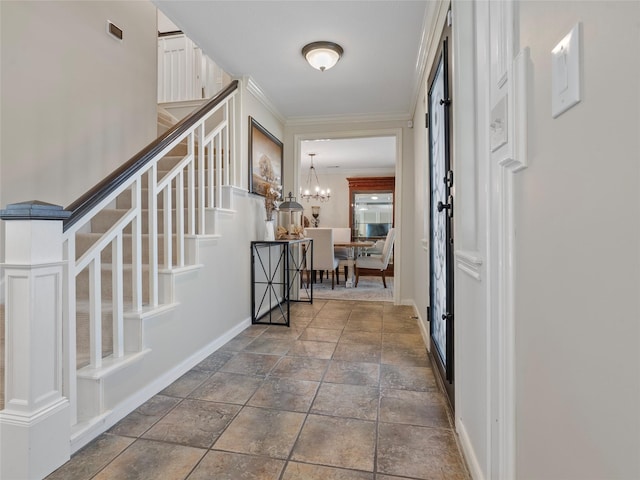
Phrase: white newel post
{"type": "Point", "coordinates": [35, 423]}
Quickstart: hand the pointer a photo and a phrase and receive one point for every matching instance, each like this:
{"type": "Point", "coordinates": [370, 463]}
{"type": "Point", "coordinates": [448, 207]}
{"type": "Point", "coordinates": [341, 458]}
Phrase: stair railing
{"type": "Point", "coordinates": [213, 128]}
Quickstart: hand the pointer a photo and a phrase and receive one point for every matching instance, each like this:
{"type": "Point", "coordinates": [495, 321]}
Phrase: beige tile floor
{"type": "Point", "coordinates": [347, 392]}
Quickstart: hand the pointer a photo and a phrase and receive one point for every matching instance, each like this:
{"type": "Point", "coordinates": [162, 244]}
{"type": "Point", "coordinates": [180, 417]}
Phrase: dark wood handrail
{"type": "Point", "coordinates": [100, 191]}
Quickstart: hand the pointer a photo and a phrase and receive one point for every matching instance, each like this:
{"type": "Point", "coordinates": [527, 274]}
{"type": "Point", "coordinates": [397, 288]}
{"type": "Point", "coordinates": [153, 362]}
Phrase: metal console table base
{"type": "Point", "coordinates": [277, 279]}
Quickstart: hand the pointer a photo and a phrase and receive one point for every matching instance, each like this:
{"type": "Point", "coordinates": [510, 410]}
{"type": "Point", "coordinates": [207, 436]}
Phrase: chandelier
{"type": "Point", "coordinates": [315, 193]}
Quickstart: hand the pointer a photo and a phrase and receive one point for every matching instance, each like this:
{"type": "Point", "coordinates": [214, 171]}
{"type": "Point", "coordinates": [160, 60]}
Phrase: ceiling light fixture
{"type": "Point", "coordinates": [316, 193]}
{"type": "Point", "coordinates": [322, 55]}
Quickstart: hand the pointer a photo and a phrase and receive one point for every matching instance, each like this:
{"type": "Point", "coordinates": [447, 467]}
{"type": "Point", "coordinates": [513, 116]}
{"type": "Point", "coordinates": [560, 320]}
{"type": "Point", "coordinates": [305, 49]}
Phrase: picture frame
{"type": "Point", "coordinates": [265, 159]}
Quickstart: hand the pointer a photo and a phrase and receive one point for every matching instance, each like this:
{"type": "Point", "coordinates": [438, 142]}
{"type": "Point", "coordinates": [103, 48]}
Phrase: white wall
{"type": "Point", "coordinates": [75, 102]}
{"type": "Point", "coordinates": [578, 267]}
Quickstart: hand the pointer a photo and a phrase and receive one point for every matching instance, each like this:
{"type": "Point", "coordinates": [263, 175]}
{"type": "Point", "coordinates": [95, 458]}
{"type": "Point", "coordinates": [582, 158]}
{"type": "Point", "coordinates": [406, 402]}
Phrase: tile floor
{"type": "Point", "coordinates": [347, 392]}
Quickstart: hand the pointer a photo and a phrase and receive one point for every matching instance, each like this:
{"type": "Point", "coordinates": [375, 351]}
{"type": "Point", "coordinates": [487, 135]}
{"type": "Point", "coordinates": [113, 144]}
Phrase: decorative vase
{"type": "Point", "coordinates": [269, 231]}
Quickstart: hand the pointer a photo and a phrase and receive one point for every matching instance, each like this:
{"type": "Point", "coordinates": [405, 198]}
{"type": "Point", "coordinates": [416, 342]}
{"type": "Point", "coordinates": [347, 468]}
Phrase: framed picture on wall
{"type": "Point", "coordinates": [265, 159]}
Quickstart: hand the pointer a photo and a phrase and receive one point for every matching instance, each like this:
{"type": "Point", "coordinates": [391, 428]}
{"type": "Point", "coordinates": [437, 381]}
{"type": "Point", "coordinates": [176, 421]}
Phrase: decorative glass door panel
{"type": "Point", "coordinates": [441, 216]}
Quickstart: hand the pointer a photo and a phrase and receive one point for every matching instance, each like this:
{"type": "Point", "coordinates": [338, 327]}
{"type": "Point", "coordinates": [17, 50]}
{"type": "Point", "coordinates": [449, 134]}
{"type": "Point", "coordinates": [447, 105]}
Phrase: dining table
{"type": "Point", "coordinates": [353, 250]}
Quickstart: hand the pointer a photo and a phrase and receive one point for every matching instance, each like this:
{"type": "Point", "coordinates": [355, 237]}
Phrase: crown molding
{"type": "Point", "coordinates": [254, 89]}
{"type": "Point", "coordinates": [343, 119]}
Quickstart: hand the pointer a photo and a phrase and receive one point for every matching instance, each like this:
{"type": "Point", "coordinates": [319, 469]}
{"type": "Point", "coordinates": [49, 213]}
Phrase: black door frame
{"type": "Point", "coordinates": [446, 368]}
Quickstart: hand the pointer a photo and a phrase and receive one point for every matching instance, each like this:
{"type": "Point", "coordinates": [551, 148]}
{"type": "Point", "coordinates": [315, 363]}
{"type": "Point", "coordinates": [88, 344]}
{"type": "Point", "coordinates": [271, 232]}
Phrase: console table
{"type": "Point", "coordinates": [277, 270]}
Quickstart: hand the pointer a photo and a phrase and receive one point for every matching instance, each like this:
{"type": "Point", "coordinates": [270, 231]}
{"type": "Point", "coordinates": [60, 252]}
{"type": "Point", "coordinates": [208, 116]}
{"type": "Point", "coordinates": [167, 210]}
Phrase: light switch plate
{"type": "Point", "coordinates": [565, 72]}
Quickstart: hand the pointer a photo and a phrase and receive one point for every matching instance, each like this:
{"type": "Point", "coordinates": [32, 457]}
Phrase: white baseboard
{"type": "Point", "coordinates": [468, 452]}
{"type": "Point", "coordinates": [424, 326]}
{"type": "Point", "coordinates": [84, 433]}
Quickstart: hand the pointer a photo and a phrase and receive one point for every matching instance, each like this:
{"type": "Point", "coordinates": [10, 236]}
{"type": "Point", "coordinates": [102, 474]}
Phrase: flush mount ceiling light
{"type": "Point", "coordinates": [322, 55]}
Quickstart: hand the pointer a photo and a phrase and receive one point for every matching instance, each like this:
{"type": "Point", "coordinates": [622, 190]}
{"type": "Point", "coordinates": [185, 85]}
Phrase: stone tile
{"type": "Point", "coordinates": [336, 311]}
{"type": "Point", "coordinates": [406, 340]}
{"type": "Point", "coordinates": [150, 460]}
{"type": "Point", "coordinates": [250, 364]}
{"type": "Point", "coordinates": [405, 356]}
{"type": "Point", "coordinates": [285, 394]}
{"type": "Point", "coordinates": [143, 417]}
{"type": "Point", "coordinates": [237, 343]}
{"type": "Point", "coordinates": [272, 346]}
{"type": "Point", "coordinates": [366, 317]}
{"type": "Point", "coordinates": [363, 325]}
{"type": "Point", "coordinates": [331, 323]}
{"type": "Point", "coordinates": [215, 361]}
{"type": "Point", "coordinates": [254, 330]}
{"type": "Point", "coordinates": [300, 368]}
{"type": "Point", "coordinates": [400, 325]}
{"type": "Point", "coordinates": [321, 334]}
{"type": "Point", "coordinates": [392, 477]}
{"type": "Point", "coordinates": [282, 332]}
{"type": "Point", "coordinates": [362, 338]}
{"type": "Point", "coordinates": [303, 348]}
{"type": "Point", "coordinates": [306, 310]}
{"type": "Point", "coordinates": [427, 409]}
{"type": "Point", "coordinates": [407, 378]}
{"type": "Point", "coordinates": [336, 442]}
{"type": "Point", "coordinates": [304, 471]}
{"type": "Point", "coordinates": [227, 387]}
{"type": "Point", "coordinates": [351, 401]}
{"type": "Point", "coordinates": [233, 466]}
{"type": "Point", "coordinates": [404, 310]}
{"type": "Point", "coordinates": [419, 452]}
{"type": "Point", "coordinates": [260, 431]}
{"type": "Point", "coordinates": [355, 352]}
{"type": "Point", "coordinates": [195, 423]}
{"type": "Point", "coordinates": [300, 322]}
{"type": "Point", "coordinates": [186, 384]}
{"type": "Point", "coordinates": [353, 373]}
{"type": "Point", "coordinates": [91, 459]}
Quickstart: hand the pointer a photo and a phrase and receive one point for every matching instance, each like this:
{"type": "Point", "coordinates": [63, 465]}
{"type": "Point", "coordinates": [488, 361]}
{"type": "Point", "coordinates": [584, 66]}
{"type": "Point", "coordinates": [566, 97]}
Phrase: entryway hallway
{"type": "Point", "coordinates": [346, 393]}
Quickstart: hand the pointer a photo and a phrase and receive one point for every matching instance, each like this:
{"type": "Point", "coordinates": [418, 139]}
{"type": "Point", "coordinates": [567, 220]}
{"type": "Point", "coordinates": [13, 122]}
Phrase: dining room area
{"type": "Point", "coordinates": [347, 189]}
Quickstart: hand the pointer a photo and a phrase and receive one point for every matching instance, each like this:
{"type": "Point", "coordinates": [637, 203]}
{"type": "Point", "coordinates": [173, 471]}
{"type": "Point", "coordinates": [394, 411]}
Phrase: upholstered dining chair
{"type": "Point", "coordinates": [323, 255]}
{"type": "Point", "coordinates": [342, 235]}
{"type": "Point", "coordinates": [377, 263]}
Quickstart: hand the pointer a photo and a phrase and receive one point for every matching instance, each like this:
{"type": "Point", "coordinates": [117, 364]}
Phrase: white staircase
{"type": "Point", "coordinates": [125, 249]}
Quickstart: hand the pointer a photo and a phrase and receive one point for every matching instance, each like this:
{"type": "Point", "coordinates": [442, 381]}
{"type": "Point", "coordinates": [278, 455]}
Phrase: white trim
{"type": "Point", "coordinates": [84, 432]}
{"type": "Point", "coordinates": [362, 118]}
{"type": "Point", "coordinates": [468, 452]}
{"type": "Point", "coordinates": [254, 89]}
{"type": "Point", "coordinates": [469, 263]}
{"type": "Point", "coordinates": [395, 132]}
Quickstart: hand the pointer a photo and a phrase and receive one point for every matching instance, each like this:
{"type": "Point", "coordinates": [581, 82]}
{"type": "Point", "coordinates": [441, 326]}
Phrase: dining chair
{"type": "Point", "coordinates": [342, 235]}
{"type": "Point", "coordinates": [323, 255]}
{"type": "Point", "coordinates": [377, 263]}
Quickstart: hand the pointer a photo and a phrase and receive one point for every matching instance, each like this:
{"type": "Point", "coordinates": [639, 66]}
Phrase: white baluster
{"type": "Point", "coordinates": [136, 244]}
{"type": "Point", "coordinates": [117, 297]}
{"type": "Point", "coordinates": [69, 378]}
{"type": "Point", "coordinates": [201, 180]}
{"type": "Point", "coordinates": [219, 163]}
{"type": "Point", "coordinates": [153, 235]}
{"type": "Point", "coordinates": [211, 154]}
{"type": "Point", "coordinates": [95, 312]}
{"type": "Point", "coordinates": [180, 219]}
{"type": "Point", "coordinates": [168, 227]}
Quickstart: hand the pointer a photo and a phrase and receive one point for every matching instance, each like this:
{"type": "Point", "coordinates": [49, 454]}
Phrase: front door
{"type": "Point", "coordinates": [441, 220]}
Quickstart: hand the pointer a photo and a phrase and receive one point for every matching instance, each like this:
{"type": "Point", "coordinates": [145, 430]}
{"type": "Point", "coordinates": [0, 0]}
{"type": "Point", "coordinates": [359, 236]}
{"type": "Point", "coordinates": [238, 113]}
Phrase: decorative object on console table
{"type": "Point", "coordinates": [290, 219]}
{"type": "Point", "coordinates": [265, 159]}
{"type": "Point", "coordinates": [271, 202]}
{"type": "Point", "coordinates": [315, 213]}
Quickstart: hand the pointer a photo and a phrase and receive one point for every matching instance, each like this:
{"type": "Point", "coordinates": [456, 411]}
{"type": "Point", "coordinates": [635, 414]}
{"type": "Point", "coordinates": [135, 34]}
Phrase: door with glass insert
{"type": "Point", "coordinates": [441, 221]}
